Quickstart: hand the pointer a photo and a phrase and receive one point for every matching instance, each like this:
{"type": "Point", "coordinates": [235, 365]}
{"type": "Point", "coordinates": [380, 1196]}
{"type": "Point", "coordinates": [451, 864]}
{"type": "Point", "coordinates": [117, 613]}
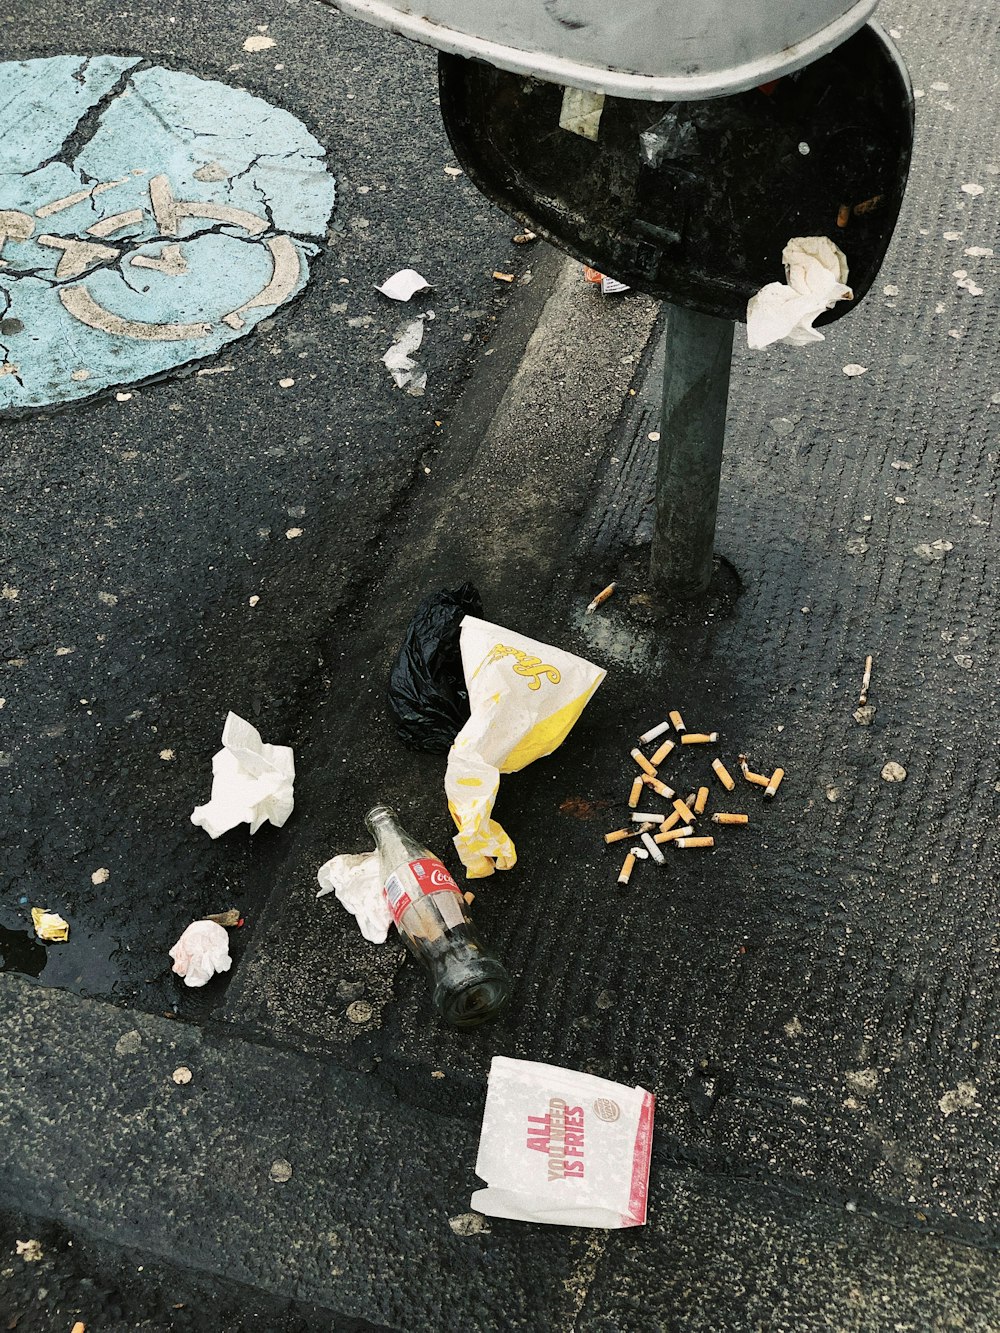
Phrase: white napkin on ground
{"type": "Point", "coordinates": [201, 951]}
{"type": "Point", "coordinates": [358, 886]}
{"type": "Point", "coordinates": [404, 284]}
{"type": "Point", "coordinates": [251, 782]}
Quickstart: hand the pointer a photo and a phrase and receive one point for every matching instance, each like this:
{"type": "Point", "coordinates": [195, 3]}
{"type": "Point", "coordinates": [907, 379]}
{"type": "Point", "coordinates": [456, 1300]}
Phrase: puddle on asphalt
{"type": "Point", "coordinates": [89, 963]}
{"type": "Point", "coordinates": [20, 953]}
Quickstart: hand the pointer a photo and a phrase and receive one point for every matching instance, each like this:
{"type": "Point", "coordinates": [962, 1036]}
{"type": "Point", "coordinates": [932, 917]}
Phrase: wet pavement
{"type": "Point", "coordinates": [814, 1002]}
{"type": "Point", "coordinates": [175, 546]}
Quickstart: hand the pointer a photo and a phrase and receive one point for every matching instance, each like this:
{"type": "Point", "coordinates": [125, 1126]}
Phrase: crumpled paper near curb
{"type": "Point", "coordinates": [356, 881]}
{"type": "Point", "coordinates": [251, 782]}
{"type": "Point", "coordinates": [201, 951]}
{"type": "Point", "coordinates": [816, 279]}
{"type": "Point", "coordinates": [399, 360]}
{"type": "Point", "coordinates": [49, 926]}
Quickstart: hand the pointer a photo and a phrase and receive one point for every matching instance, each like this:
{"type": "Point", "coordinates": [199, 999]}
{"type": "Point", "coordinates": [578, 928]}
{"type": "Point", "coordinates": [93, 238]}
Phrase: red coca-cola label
{"type": "Point", "coordinates": [415, 880]}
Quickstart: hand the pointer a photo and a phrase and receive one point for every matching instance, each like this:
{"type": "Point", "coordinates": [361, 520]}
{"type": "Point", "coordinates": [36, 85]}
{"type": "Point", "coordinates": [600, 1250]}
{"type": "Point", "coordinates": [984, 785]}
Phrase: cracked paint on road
{"type": "Point", "coordinates": [147, 218]}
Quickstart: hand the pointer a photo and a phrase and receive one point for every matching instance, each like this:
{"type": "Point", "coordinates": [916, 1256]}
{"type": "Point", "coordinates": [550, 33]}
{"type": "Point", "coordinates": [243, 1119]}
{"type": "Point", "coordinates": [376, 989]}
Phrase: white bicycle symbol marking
{"type": "Point", "coordinates": [80, 256]}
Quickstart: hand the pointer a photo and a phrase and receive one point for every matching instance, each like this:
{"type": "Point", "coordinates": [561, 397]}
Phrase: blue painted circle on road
{"type": "Point", "coordinates": [147, 219]}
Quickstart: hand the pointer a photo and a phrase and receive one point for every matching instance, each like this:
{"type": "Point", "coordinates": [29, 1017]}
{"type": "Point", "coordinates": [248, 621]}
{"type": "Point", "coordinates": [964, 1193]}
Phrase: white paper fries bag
{"type": "Point", "coordinates": [562, 1147]}
{"type": "Point", "coordinates": [524, 698]}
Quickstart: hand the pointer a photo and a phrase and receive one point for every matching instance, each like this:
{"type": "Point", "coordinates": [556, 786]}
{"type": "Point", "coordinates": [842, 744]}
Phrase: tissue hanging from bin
{"type": "Point", "coordinates": [816, 278]}
{"type": "Point", "coordinates": [524, 698]}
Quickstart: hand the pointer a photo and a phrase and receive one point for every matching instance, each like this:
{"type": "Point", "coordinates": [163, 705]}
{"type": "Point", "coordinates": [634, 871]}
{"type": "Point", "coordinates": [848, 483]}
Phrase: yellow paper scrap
{"type": "Point", "coordinates": [49, 926]}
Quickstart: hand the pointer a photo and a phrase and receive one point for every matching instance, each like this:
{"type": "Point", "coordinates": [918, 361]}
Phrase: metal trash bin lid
{"type": "Point", "coordinates": [652, 50]}
{"type": "Point", "coordinates": [693, 202]}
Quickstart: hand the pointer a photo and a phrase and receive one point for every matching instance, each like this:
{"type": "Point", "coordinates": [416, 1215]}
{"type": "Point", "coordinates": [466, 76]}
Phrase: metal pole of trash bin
{"type": "Point", "coordinates": [698, 354]}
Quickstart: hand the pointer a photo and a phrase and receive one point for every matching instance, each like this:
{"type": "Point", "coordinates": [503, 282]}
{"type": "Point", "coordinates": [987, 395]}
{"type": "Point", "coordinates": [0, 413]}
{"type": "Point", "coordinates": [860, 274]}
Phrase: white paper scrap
{"type": "Point", "coordinates": [358, 886]}
{"type": "Point", "coordinates": [581, 113]}
{"type": "Point", "coordinates": [251, 782]}
{"type": "Point", "coordinates": [404, 284]}
{"type": "Point", "coordinates": [563, 1147]}
{"type": "Point", "coordinates": [816, 278]}
{"type": "Point", "coordinates": [201, 951]}
{"type": "Point", "coordinates": [398, 360]}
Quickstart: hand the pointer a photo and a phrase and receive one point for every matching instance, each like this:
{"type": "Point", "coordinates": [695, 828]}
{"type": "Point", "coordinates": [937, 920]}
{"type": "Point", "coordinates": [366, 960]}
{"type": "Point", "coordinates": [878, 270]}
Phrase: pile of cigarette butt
{"type": "Point", "coordinates": [654, 830]}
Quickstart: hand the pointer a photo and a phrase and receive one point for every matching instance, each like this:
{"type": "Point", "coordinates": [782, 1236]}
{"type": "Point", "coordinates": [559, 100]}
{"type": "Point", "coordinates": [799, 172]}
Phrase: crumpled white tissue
{"type": "Point", "coordinates": [408, 373]}
{"type": "Point", "coordinates": [816, 273]}
{"type": "Point", "coordinates": [201, 951]}
{"type": "Point", "coordinates": [404, 284]}
{"type": "Point", "coordinates": [358, 886]}
{"type": "Point", "coordinates": [251, 782]}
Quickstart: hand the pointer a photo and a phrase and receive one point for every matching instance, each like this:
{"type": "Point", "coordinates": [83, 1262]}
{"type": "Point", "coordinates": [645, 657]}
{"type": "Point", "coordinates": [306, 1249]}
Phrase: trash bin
{"type": "Point", "coordinates": [654, 50]}
{"type": "Point", "coordinates": [678, 148]}
{"type": "Point", "coordinates": [693, 201]}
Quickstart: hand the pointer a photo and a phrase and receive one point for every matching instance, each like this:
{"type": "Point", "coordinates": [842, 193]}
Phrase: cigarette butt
{"type": "Point", "coordinates": [653, 732]}
{"type": "Point", "coordinates": [775, 782]}
{"type": "Point", "coordinates": [653, 850]}
{"type": "Point", "coordinates": [677, 720]}
{"type": "Point", "coordinates": [701, 800]}
{"type": "Point", "coordinates": [503, 277]}
{"type": "Point", "coordinates": [866, 680]}
{"type": "Point", "coordinates": [602, 596]}
{"type": "Point", "coordinates": [843, 215]}
{"type": "Point", "coordinates": [647, 818]}
{"type": "Point", "coordinates": [695, 842]}
{"type": "Point", "coordinates": [640, 853]}
{"type": "Point", "coordinates": [619, 834]}
{"type": "Point", "coordinates": [659, 787]}
{"type": "Point", "coordinates": [626, 869]}
{"type": "Point", "coordinates": [758, 779]}
{"type": "Point", "coordinates": [669, 822]}
{"type": "Point", "coordinates": [730, 819]}
{"type": "Point", "coordinates": [643, 762]}
{"type": "Point", "coordinates": [722, 773]}
{"type": "Point", "coordinates": [469, 897]}
{"type": "Point", "coordinates": [80, 1326]}
{"type": "Point", "coordinates": [523, 237]}
{"type": "Point", "coordinates": [690, 800]}
{"type": "Point", "coordinates": [699, 737]}
{"type": "Point", "coordinates": [684, 811]}
{"type": "Point", "coordinates": [671, 835]}
{"type": "Point", "coordinates": [657, 759]}
{"type": "Point", "coordinates": [633, 796]}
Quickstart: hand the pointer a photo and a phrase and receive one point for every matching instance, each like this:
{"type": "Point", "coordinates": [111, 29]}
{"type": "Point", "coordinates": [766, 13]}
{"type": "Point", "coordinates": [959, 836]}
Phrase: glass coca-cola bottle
{"type": "Point", "coordinates": [471, 986]}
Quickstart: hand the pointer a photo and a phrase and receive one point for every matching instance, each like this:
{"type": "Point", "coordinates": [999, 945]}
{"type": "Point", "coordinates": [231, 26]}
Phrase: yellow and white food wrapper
{"type": "Point", "coordinates": [524, 698]}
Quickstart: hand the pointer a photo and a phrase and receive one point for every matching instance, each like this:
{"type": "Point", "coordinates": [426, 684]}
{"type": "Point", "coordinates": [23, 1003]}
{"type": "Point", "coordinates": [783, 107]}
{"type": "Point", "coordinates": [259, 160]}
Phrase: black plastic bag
{"type": "Point", "coordinates": [427, 694]}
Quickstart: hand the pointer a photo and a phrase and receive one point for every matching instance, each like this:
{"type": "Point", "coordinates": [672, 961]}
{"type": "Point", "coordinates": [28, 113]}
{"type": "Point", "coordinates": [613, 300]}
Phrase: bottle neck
{"type": "Point", "coordinates": [392, 840]}
{"type": "Point", "coordinates": [381, 816]}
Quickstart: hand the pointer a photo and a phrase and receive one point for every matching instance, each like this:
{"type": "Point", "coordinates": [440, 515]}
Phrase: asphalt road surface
{"type": "Point", "coordinates": [173, 549]}
{"type": "Point", "coordinates": [814, 1003]}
